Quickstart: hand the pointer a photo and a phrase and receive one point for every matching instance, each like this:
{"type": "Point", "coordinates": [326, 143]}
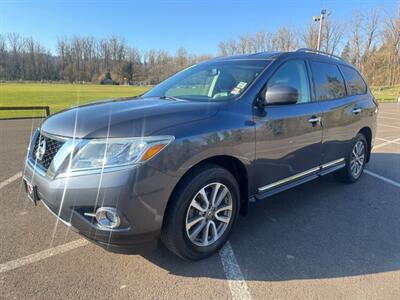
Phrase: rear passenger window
{"type": "Point", "coordinates": [355, 84]}
{"type": "Point", "coordinates": [328, 80]}
{"type": "Point", "coordinates": [294, 74]}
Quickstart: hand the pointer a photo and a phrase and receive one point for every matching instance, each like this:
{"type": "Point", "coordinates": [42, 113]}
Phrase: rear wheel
{"type": "Point", "coordinates": [202, 212]}
{"type": "Point", "coordinates": [355, 161]}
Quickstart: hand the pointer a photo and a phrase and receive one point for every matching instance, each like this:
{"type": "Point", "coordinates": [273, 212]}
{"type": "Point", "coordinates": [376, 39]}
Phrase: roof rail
{"type": "Point", "coordinates": [319, 52]}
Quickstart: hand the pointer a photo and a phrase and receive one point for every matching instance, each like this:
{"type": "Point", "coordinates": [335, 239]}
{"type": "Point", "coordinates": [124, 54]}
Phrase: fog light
{"type": "Point", "coordinates": [108, 217]}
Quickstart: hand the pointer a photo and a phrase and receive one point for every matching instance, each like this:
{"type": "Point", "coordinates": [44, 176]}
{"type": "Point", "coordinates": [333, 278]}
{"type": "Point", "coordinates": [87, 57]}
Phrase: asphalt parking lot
{"type": "Point", "coordinates": [322, 240]}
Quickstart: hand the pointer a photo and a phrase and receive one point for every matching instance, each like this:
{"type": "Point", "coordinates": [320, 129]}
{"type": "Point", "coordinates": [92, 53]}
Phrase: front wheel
{"type": "Point", "coordinates": [355, 161]}
{"type": "Point", "coordinates": [202, 212]}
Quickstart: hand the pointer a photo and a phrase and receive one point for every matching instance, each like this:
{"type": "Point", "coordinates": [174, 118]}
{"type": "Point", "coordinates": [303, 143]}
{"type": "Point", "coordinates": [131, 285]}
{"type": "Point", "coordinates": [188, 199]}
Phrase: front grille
{"type": "Point", "coordinates": [52, 147]}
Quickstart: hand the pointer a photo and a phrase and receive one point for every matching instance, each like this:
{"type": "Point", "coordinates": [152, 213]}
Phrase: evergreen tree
{"type": "Point", "coordinates": [346, 52]}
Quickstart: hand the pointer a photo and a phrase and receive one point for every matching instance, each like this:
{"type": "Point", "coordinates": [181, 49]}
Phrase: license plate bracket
{"type": "Point", "coordinates": [32, 191]}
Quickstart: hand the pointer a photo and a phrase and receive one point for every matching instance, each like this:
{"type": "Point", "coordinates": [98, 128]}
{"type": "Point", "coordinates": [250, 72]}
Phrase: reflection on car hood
{"type": "Point", "coordinates": [126, 118]}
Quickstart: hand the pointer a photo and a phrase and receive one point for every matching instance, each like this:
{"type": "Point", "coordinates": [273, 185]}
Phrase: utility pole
{"type": "Point", "coordinates": [321, 21]}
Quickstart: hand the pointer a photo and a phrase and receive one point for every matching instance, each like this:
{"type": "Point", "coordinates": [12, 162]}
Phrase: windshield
{"type": "Point", "coordinates": [213, 81]}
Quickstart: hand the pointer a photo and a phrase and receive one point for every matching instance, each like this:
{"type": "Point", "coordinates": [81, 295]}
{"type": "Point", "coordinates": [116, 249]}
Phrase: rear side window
{"type": "Point", "coordinates": [294, 74]}
{"type": "Point", "coordinates": [328, 80]}
{"type": "Point", "coordinates": [355, 84]}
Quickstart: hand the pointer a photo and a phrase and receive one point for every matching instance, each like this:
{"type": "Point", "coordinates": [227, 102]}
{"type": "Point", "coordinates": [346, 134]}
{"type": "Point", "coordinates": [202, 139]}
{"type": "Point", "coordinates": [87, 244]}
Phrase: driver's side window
{"type": "Point", "coordinates": [294, 74]}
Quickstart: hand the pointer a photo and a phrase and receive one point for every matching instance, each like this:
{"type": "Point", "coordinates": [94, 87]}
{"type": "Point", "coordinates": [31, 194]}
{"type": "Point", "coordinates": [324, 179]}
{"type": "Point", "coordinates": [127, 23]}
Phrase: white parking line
{"type": "Point", "coordinates": [380, 124]}
{"type": "Point", "coordinates": [30, 259]}
{"type": "Point", "coordinates": [237, 284]}
{"type": "Point", "coordinates": [387, 113]}
{"type": "Point", "coordinates": [392, 182]}
{"type": "Point", "coordinates": [389, 118]}
{"type": "Point", "coordinates": [11, 179]}
{"type": "Point", "coordinates": [386, 142]}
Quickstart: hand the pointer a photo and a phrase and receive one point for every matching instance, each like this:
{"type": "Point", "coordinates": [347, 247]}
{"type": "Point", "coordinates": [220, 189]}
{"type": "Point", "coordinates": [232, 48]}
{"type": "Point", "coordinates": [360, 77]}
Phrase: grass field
{"type": "Point", "coordinates": [385, 93]}
{"type": "Point", "coordinates": [61, 96]}
{"type": "Point", "coordinates": [58, 96]}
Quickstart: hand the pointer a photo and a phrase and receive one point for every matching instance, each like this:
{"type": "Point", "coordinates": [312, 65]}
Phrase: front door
{"type": "Point", "coordinates": [288, 137]}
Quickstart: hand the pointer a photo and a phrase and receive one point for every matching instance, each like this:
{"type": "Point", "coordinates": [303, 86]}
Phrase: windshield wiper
{"type": "Point", "coordinates": [170, 98]}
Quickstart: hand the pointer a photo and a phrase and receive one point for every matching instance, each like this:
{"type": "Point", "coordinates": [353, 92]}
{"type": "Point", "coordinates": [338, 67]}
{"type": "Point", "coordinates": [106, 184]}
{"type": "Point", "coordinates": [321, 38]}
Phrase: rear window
{"type": "Point", "coordinates": [355, 84]}
{"type": "Point", "coordinates": [328, 81]}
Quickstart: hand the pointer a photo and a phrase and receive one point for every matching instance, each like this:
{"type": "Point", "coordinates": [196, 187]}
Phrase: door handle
{"type": "Point", "coordinates": [314, 120]}
{"type": "Point", "coordinates": [356, 110]}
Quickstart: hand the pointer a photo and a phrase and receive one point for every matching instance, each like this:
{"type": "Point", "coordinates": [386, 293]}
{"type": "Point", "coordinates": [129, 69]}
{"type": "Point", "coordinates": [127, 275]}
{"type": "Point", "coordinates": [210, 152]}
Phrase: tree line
{"type": "Point", "coordinates": [370, 40]}
{"type": "Point", "coordinates": [86, 59]}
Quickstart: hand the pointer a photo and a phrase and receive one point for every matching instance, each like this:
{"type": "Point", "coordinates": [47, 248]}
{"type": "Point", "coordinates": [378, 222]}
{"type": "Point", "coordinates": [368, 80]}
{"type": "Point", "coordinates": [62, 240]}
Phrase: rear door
{"type": "Point", "coordinates": [340, 112]}
{"type": "Point", "coordinates": [288, 137]}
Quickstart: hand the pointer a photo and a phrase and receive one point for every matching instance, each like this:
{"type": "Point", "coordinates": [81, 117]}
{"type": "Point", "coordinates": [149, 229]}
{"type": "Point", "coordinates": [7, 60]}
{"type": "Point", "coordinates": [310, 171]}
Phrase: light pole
{"type": "Point", "coordinates": [321, 20]}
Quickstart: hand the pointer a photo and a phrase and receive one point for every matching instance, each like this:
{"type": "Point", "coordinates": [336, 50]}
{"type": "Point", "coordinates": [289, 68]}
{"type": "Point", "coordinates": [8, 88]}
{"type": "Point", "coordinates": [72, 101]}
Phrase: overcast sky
{"type": "Point", "coordinates": [196, 25]}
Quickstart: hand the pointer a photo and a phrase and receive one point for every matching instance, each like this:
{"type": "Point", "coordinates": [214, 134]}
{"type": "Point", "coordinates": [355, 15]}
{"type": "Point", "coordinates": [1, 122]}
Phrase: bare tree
{"type": "Point", "coordinates": [310, 36]}
{"type": "Point", "coordinates": [16, 44]}
{"type": "Point", "coordinates": [370, 27]}
{"type": "Point", "coordinates": [284, 39]}
{"type": "Point", "coordinates": [333, 33]}
{"type": "Point", "coordinates": [3, 56]}
{"type": "Point", "coordinates": [261, 41]}
{"type": "Point", "coordinates": [368, 40]}
{"type": "Point", "coordinates": [355, 40]}
{"type": "Point", "coordinates": [392, 42]}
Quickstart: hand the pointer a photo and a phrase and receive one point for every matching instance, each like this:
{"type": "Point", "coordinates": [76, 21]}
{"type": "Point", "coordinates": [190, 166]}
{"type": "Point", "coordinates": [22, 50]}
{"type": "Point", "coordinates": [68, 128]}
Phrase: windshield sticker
{"type": "Point", "coordinates": [235, 91]}
{"type": "Point", "coordinates": [241, 85]}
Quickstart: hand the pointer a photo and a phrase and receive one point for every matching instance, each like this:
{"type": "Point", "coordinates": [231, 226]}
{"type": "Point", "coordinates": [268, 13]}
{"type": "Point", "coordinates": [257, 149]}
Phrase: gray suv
{"type": "Point", "coordinates": [181, 162]}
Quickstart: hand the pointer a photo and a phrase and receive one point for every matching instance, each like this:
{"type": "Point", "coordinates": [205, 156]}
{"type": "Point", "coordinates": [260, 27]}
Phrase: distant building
{"type": "Point", "coordinates": [107, 79]}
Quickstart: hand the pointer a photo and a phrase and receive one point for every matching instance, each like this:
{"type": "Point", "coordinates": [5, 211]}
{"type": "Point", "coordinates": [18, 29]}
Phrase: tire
{"type": "Point", "coordinates": [354, 167]}
{"type": "Point", "coordinates": [186, 224]}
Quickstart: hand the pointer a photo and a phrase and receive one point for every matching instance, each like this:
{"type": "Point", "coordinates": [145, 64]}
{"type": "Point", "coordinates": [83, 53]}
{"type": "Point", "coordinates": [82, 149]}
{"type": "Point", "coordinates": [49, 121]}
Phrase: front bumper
{"type": "Point", "coordinates": [139, 193]}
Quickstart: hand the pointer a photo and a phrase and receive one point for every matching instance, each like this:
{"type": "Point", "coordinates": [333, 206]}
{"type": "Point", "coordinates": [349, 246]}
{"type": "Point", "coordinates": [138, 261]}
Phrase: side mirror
{"type": "Point", "coordinates": [281, 94]}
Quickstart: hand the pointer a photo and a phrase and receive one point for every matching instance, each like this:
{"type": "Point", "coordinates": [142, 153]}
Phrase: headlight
{"type": "Point", "coordinates": [116, 152]}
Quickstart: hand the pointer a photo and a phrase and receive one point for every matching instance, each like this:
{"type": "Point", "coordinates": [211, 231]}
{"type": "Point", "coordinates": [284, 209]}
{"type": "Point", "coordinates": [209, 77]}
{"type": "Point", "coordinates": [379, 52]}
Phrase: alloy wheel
{"type": "Point", "coordinates": [357, 159]}
{"type": "Point", "coordinates": [209, 214]}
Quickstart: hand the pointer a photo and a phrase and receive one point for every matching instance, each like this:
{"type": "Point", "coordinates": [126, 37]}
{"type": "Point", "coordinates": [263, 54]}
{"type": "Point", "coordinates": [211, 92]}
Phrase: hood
{"type": "Point", "coordinates": [126, 118]}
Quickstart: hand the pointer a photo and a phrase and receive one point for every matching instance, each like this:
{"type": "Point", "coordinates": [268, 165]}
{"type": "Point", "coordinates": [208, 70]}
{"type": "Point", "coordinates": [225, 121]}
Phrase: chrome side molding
{"type": "Point", "coordinates": [332, 163]}
{"type": "Point", "coordinates": [287, 179]}
{"type": "Point", "coordinates": [300, 175]}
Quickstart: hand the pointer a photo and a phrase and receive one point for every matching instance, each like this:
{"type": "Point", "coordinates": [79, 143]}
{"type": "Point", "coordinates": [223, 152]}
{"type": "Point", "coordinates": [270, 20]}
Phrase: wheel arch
{"type": "Point", "coordinates": [367, 132]}
{"type": "Point", "coordinates": [230, 163]}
